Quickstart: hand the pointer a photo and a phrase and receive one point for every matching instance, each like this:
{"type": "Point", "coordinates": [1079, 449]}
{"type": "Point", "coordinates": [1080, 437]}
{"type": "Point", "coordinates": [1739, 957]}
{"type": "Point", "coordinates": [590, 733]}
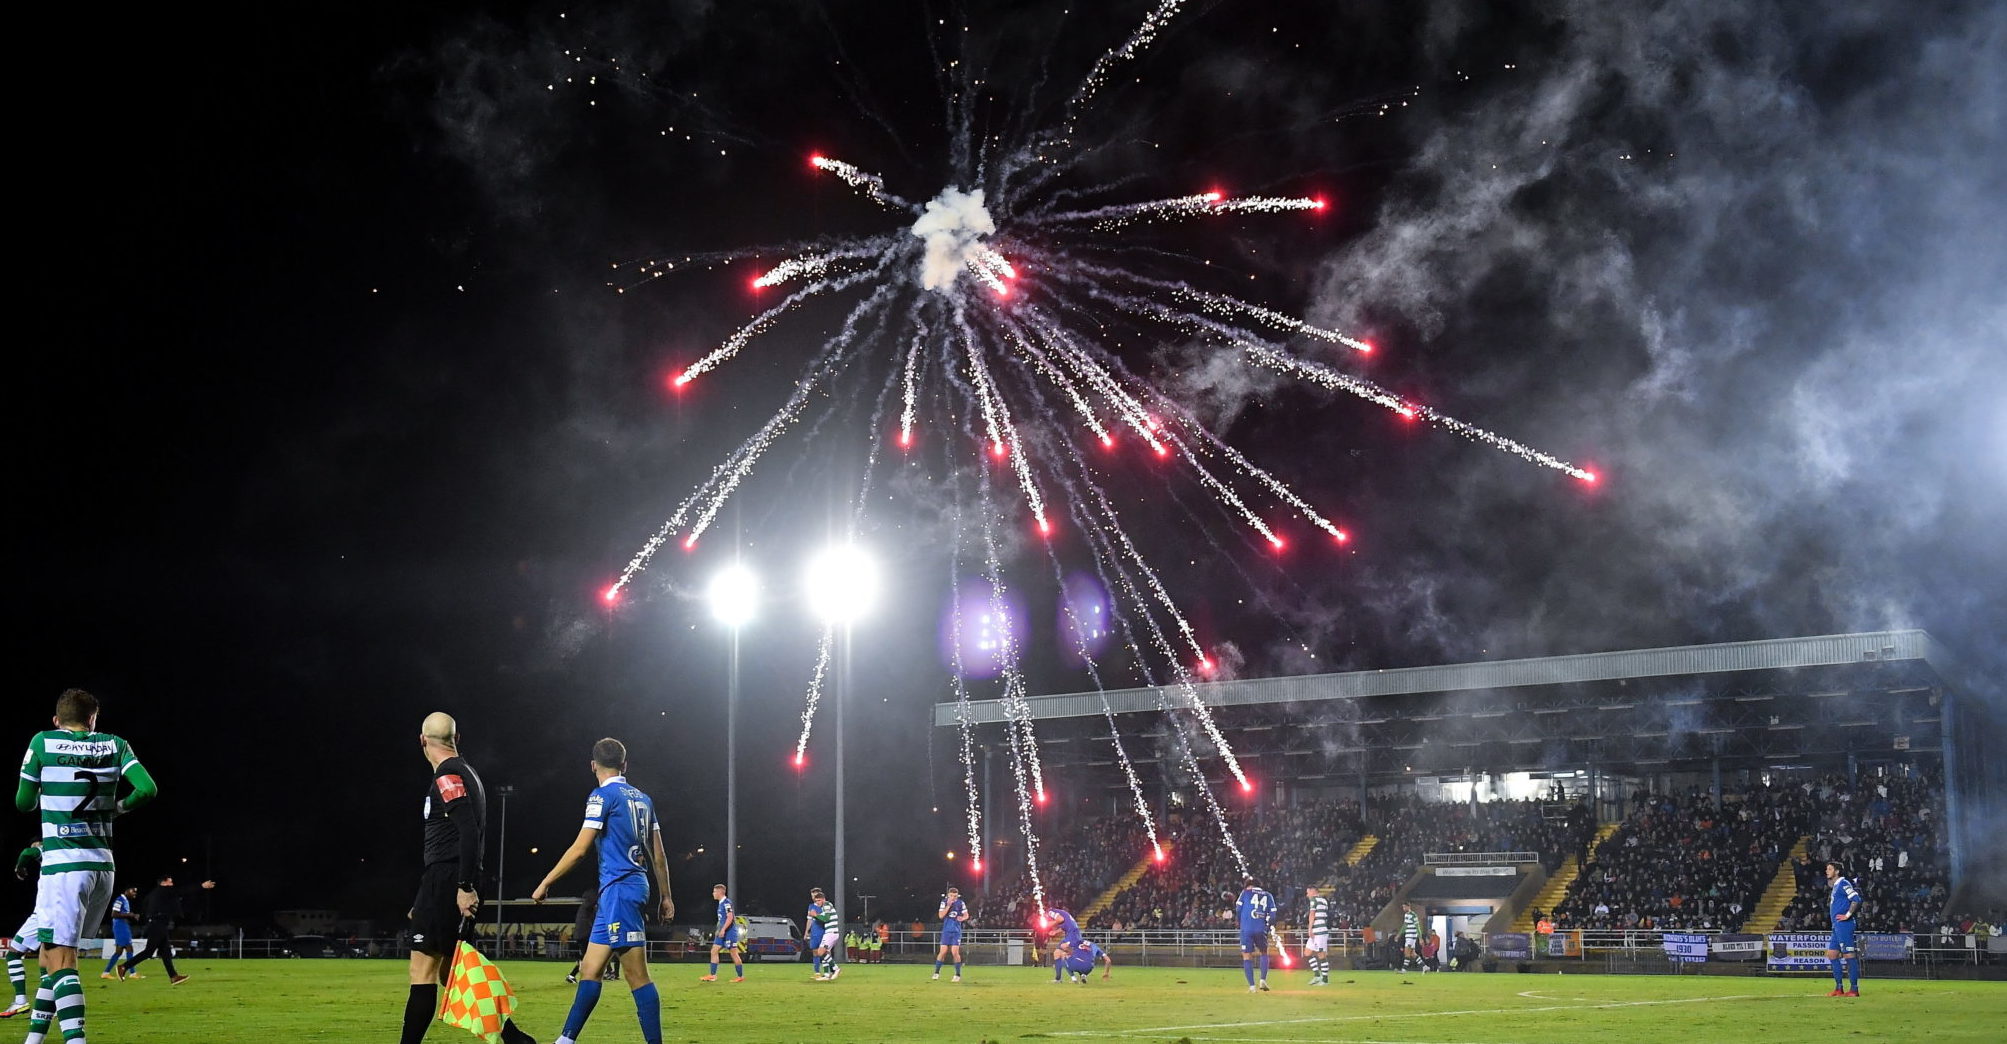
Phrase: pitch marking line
{"type": "Point", "coordinates": [1159, 1030]}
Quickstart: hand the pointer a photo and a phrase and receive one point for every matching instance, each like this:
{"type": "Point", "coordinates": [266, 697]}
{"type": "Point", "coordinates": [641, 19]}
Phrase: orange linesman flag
{"type": "Point", "coordinates": [477, 998]}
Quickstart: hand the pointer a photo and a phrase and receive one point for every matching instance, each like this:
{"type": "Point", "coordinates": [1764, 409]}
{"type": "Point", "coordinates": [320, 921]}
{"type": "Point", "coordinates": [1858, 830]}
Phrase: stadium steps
{"type": "Point", "coordinates": [1783, 888]}
{"type": "Point", "coordinates": [1122, 884]}
{"type": "Point", "coordinates": [1361, 850]}
{"type": "Point", "coordinates": [1557, 886]}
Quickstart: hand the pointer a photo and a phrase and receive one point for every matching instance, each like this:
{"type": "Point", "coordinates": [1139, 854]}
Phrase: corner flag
{"type": "Point", "coordinates": [477, 998]}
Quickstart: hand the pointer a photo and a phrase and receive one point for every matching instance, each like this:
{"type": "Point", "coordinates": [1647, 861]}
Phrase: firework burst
{"type": "Point", "coordinates": [988, 304]}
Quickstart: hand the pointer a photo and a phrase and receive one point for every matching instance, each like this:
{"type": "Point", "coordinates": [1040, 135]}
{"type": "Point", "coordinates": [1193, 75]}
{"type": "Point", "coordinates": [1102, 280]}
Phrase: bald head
{"type": "Point", "coordinates": [440, 726]}
{"type": "Point", "coordinates": [439, 737]}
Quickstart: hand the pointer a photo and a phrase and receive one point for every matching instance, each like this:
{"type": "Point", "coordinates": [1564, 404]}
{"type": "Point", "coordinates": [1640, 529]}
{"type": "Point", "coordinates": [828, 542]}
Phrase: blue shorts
{"type": "Point", "coordinates": [621, 922]}
{"type": "Point", "coordinates": [1254, 942]}
{"type": "Point", "coordinates": [1843, 939]}
{"type": "Point", "coordinates": [122, 936]}
{"type": "Point", "coordinates": [1077, 962]}
{"type": "Point", "coordinates": [951, 933]}
{"type": "Point", "coordinates": [815, 938]}
{"type": "Point", "coordinates": [728, 937]}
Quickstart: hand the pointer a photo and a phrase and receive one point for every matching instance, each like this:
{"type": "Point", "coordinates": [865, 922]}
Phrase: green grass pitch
{"type": "Point", "coordinates": [240, 1002]}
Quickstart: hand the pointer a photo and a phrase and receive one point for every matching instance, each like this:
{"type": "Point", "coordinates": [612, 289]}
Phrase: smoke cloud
{"type": "Point", "coordinates": [953, 227]}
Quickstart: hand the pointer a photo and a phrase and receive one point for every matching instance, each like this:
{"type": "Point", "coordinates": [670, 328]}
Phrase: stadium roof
{"type": "Point", "coordinates": [1676, 661]}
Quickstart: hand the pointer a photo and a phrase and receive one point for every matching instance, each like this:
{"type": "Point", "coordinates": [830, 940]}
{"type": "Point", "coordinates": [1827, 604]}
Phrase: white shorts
{"type": "Point", "coordinates": [1316, 943]}
{"type": "Point", "coordinates": [1409, 942]}
{"type": "Point", "coordinates": [70, 903]}
{"type": "Point", "coordinates": [29, 938]}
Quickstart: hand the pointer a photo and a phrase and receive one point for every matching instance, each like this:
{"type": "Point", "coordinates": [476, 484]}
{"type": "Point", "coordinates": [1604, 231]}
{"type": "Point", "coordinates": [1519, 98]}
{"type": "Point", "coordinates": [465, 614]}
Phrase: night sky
{"type": "Point", "coordinates": [328, 417]}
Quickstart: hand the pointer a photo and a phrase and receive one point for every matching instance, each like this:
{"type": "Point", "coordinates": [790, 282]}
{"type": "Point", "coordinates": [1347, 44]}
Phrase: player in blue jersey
{"type": "Point", "coordinates": [1076, 960]}
{"type": "Point", "coordinates": [1841, 950]}
{"type": "Point", "coordinates": [1069, 928]}
{"type": "Point", "coordinates": [1256, 911]}
{"type": "Point", "coordinates": [725, 937]}
{"type": "Point", "coordinates": [620, 823]}
{"type": "Point", "coordinates": [122, 916]}
{"type": "Point", "coordinates": [954, 913]}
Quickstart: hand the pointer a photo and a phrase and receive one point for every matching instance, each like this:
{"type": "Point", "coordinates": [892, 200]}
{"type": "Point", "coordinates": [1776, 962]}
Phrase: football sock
{"type": "Point", "coordinates": [18, 975]}
{"type": "Point", "coordinates": [1264, 967]}
{"type": "Point", "coordinates": [1247, 969]}
{"type": "Point", "coordinates": [69, 1000]}
{"type": "Point", "coordinates": [937, 967]}
{"type": "Point", "coordinates": [648, 1007]}
{"type": "Point", "coordinates": [581, 1007]}
{"type": "Point", "coordinates": [45, 1010]}
{"type": "Point", "coordinates": [419, 1008]}
{"type": "Point", "coordinates": [514, 1034]}
{"type": "Point", "coordinates": [714, 967]}
{"type": "Point", "coordinates": [1838, 982]}
{"type": "Point", "coordinates": [1854, 973]}
{"type": "Point", "coordinates": [958, 969]}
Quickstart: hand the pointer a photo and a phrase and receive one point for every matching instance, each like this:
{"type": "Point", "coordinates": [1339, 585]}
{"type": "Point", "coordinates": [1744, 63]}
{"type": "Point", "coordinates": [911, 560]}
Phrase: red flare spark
{"type": "Point", "coordinates": [1589, 477]}
{"type": "Point", "coordinates": [611, 594]}
{"type": "Point", "coordinates": [1277, 541]}
{"type": "Point", "coordinates": [1045, 527]}
{"type": "Point", "coordinates": [997, 450]}
{"type": "Point", "coordinates": [1041, 797]}
{"type": "Point", "coordinates": [1160, 855]}
{"type": "Point", "coordinates": [799, 760]}
{"type": "Point", "coordinates": [1318, 203]}
{"type": "Point", "coordinates": [977, 865]}
{"type": "Point", "coordinates": [681, 379]}
{"type": "Point", "coordinates": [815, 161]}
{"type": "Point", "coordinates": [1366, 347]}
{"type": "Point", "coordinates": [1341, 536]}
{"type": "Point", "coordinates": [905, 439]}
{"type": "Point", "coordinates": [690, 542]}
{"type": "Point", "coordinates": [1247, 786]}
{"type": "Point", "coordinates": [1162, 450]}
{"type": "Point", "coordinates": [1107, 442]}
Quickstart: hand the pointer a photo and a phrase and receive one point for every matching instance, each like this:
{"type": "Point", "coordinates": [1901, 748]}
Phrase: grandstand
{"type": "Point", "coordinates": [1646, 790]}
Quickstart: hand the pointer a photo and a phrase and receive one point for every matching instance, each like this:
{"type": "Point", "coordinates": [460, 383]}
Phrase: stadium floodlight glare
{"type": "Point", "coordinates": [734, 596]}
{"type": "Point", "coordinates": [842, 584]}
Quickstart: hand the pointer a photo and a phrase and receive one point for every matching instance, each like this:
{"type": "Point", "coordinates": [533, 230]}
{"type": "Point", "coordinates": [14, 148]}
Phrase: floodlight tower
{"type": "Point", "coordinates": [842, 587]}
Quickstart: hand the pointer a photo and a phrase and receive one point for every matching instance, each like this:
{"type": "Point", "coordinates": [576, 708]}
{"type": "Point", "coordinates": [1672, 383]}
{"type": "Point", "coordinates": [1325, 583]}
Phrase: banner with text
{"type": "Point", "coordinates": [1690, 948]}
{"type": "Point", "coordinates": [1886, 946]}
{"type": "Point", "coordinates": [1732, 947]}
{"type": "Point", "coordinates": [1512, 946]}
{"type": "Point", "coordinates": [1797, 952]}
{"type": "Point", "coordinates": [1475, 871]}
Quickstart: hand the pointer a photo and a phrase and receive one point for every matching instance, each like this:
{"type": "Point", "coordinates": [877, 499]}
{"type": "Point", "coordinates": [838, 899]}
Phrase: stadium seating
{"type": "Point", "coordinates": [1681, 862]}
{"type": "Point", "coordinates": [1888, 836]}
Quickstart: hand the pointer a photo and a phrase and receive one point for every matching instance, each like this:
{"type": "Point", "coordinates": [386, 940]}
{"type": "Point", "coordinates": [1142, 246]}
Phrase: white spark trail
{"type": "Point", "coordinates": [815, 690]}
{"type": "Point", "coordinates": [872, 185]}
{"type": "Point", "coordinates": [1330, 378]}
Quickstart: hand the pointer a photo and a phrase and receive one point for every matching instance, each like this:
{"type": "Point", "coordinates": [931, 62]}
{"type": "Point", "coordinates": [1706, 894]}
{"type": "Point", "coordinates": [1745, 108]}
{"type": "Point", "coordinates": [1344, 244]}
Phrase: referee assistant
{"type": "Point", "coordinates": [456, 810]}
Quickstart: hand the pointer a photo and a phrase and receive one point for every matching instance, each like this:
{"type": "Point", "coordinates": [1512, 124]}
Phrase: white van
{"type": "Point", "coordinates": [773, 939]}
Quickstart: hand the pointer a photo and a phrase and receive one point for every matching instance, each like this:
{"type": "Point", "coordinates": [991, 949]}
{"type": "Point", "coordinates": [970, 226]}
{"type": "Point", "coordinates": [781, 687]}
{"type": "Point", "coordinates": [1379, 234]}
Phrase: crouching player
{"type": "Point", "coordinates": [1076, 960]}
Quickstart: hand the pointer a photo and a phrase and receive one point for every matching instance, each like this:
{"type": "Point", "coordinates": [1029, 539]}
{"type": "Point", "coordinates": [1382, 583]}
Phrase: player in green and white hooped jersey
{"type": "Point", "coordinates": [1317, 937]}
{"type": "Point", "coordinates": [71, 774]}
{"type": "Point", "coordinates": [1411, 936]}
{"type": "Point", "coordinates": [27, 867]}
{"type": "Point", "coordinates": [825, 935]}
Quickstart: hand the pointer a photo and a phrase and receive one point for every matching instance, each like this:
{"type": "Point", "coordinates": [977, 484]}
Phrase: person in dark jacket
{"type": "Point", "coordinates": [160, 910]}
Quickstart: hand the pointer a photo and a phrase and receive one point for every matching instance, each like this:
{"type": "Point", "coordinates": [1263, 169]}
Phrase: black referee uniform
{"type": "Point", "coordinates": [456, 814]}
